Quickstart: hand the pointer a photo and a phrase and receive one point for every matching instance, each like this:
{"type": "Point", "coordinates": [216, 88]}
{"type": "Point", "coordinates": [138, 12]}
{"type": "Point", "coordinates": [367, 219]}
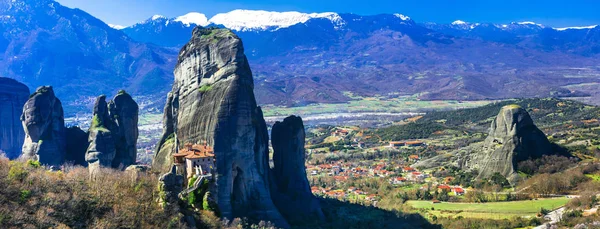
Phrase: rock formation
{"type": "Point", "coordinates": [13, 96]}
{"type": "Point", "coordinates": [101, 151]}
{"type": "Point", "coordinates": [290, 188]}
{"type": "Point", "coordinates": [513, 138]}
{"type": "Point", "coordinates": [213, 101]}
{"type": "Point", "coordinates": [44, 126]}
{"type": "Point", "coordinates": [170, 185]}
{"type": "Point", "coordinates": [124, 112]}
{"type": "Point", "coordinates": [77, 144]}
{"type": "Point", "coordinates": [113, 133]}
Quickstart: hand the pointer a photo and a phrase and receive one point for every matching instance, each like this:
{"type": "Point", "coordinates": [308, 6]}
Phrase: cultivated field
{"type": "Point", "coordinates": [495, 210]}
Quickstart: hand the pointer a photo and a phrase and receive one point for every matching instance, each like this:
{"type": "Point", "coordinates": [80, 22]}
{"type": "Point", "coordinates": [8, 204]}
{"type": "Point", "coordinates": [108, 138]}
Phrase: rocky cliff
{"type": "Point", "coordinates": [113, 133]}
{"type": "Point", "coordinates": [290, 187]}
{"type": "Point", "coordinates": [13, 96]}
{"type": "Point", "coordinates": [43, 122]}
{"type": "Point", "coordinates": [124, 112]}
{"type": "Point", "coordinates": [213, 101]}
{"type": "Point", "coordinates": [513, 138]}
{"type": "Point", "coordinates": [101, 151]}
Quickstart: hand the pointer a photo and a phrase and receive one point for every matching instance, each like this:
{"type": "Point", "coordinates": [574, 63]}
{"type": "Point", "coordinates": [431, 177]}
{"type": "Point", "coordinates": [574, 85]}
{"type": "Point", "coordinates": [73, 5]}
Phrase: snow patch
{"type": "Point", "coordinates": [193, 18]}
{"type": "Point", "coordinates": [458, 22]}
{"type": "Point", "coordinates": [529, 23]}
{"type": "Point", "coordinates": [244, 20]}
{"type": "Point", "coordinates": [402, 16]}
{"type": "Point", "coordinates": [576, 27]}
{"type": "Point", "coordinates": [117, 27]}
{"type": "Point", "coordinates": [156, 17]}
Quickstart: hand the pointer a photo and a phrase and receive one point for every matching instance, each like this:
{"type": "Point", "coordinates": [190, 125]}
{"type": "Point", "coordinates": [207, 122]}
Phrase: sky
{"type": "Point", "coordinates": [555, 13]}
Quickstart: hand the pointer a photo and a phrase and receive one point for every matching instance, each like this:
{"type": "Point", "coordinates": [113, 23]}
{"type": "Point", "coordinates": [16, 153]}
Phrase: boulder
{"type": "Point", "coordinates": [213, 102]}
{"type": "Point", "coordinates": [44, 125]}
{"type": "Point", "coordinates": [169, 186]}
{"type": "Point", "coordinates": [290, 187]}
{"type": "Point", "coordinates": [13, 96]}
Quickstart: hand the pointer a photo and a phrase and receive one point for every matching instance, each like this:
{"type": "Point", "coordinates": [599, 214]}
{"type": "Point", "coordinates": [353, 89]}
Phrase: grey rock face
{"type": "Point", "coordinates": [291, 189]}
{"type": "Point", "coordinates": [113, 133]}
{"type": "Point", "coordinates": [213, 102]}
{"type": "Point", "coordinates": [513, 138]}
{"type": "Point", "coordinates": [124, 112]}
{"type": "Point", "coordinates": [44, 125]}
{"type": "Point", "coordinates": [170, 185]}
{"type": "Point", "coordinates": [101, 151]}
{"type": "Point", "coordinates": [77, 144]}
{"type": "Point", "coordinates": [162, 160]}
{"type": "Point", "coordinates": [13, 96]}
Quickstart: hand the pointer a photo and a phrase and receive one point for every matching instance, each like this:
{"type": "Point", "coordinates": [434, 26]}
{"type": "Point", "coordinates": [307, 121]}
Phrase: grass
{"type": "Point", "coordinates": [374, 104]}
{"type": "Point", "coordinates": [507, 209]}
{"type": "Point", "coordinates": [594, 177]}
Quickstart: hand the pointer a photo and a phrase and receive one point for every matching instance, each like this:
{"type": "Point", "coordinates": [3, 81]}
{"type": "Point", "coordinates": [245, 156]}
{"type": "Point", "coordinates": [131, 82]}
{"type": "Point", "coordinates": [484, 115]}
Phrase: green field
{"type": "Point", "coordinates": [493, 210]}
{"type": "Point", "coordinates": [373, 104]}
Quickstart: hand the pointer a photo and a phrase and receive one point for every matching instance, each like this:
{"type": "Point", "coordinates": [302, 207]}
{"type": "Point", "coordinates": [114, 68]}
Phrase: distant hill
{"type": "Point", "coordinates": [306, 58]}
{"type": "Point", "coordinates": [45, 43]}
{"type": "Point", "coordinates": [299, 58]}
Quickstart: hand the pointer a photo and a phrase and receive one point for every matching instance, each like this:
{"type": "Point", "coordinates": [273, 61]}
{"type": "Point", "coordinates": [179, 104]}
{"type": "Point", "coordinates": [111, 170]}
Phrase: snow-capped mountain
{"type": "Point", "coordinates": [252, 20]}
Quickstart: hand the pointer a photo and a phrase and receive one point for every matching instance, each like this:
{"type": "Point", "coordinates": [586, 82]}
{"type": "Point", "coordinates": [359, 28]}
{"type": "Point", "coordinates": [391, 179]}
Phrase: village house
{"type": "Point", "coordinates": [371, 197]}
{"type": "Point", "coordinates": [459, 191]}
{"type": "Point", "coordinates": [416, 176]}
{"type": "Point", "coordinates": [444, 187]}
{"type": "Point", "coordinates": [340, 133]}
{"type": "Point", "coordinates": [413, 158]}
{"type": "Point", "coordinates": [397, 180]}
{"type": "Point", "coordinates": [396, 144]}
{"type": "Point", "coordinates": [194, 160]}
{"type": "Point", "coordinates": [408, 169]}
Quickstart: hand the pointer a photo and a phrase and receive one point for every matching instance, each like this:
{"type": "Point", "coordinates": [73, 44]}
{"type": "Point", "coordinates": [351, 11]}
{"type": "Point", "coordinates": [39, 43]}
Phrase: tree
{"type": "Point", "coordinates": [498, 179]}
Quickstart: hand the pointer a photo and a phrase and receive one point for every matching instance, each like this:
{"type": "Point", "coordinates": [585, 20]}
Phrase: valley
{"type": "Point", "coordinates": [254, 119]}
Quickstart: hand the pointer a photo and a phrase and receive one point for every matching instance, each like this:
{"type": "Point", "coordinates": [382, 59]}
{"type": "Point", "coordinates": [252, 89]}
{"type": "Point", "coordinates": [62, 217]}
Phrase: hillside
{"type": "Point", "coordinates": [45, 43]}
{"type": "Point", "coordinates": [318, 59]}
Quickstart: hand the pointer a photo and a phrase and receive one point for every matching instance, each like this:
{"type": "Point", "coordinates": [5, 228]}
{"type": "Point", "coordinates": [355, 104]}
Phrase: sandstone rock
{"type": "Point", "coordinates": [77, 144]}
{"type": "Point", "coordinates": [166, 147]}
{"type": "Point", "coordinates": [291, 189]}
{"type": "Point", "coordinates": [513, 138]}
{"type": "Point", "coordinates": [213, 102]}
{"type": "Point", "coordinates": [124, 113]}
{"type": "Point", "coordinates": [169, 186]}
{"type": "Point", "coordinates": [13, 96]}
{"type": "Point", "coordinates": [113, 133]}
{"type": "Point", "coordinates": [43, 121]}
{"type": "Point", "coordinates": [101, 151]}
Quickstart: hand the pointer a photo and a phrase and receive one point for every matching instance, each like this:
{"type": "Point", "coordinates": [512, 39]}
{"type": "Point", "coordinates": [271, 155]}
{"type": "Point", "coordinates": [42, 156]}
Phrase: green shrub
{"type": "Point", "coordinates": [17, 172]}
{"type": "Point", "coordinates": [205, 88]}
{"type": "Point", "coordinates": [24, 195]}
{"type": "Point", "coordinates": [34, 164]}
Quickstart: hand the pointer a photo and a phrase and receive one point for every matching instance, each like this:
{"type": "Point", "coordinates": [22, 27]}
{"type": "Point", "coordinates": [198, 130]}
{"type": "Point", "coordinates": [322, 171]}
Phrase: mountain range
{"type": "Point", "coordinates": [300, 58]}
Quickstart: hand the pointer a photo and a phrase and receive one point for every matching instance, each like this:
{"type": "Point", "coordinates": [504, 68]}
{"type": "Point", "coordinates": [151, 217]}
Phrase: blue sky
{"type": "Point", "coordinates": [557, 13]}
